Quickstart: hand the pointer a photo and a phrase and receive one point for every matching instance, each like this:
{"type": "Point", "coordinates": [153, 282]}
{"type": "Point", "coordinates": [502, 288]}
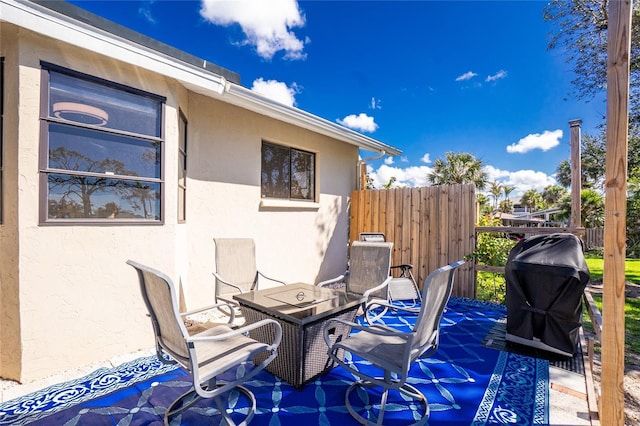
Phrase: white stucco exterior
{"type": "Point", "coordinates": [67, 297]}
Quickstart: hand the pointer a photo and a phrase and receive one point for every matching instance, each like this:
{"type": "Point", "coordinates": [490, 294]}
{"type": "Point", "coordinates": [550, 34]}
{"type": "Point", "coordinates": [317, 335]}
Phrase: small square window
{"type": "Point", "coordinates": [287, 173]}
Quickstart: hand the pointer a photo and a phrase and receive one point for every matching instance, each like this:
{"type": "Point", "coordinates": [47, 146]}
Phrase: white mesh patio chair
{"type": "Point", "coordinates": [403, 287]}
{"type": "Point", "coordinates": [368, 274]}
{"type": "Point", "coordinates": [392, 352]}
{"type": "Point", "coordinates": [236, 271]}
{"type": "Point", "coordinates": [208, 354]}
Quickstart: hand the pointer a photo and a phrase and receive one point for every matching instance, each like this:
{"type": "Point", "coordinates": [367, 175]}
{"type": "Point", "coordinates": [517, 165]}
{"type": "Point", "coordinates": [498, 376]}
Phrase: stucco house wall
{"type": "Point", "coordinates": [67, 298]}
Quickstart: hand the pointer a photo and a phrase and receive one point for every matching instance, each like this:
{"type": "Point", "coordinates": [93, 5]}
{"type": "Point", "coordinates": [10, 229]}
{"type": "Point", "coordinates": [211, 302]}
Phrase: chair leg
{"type": "Point", "coordinates": [191, 397]}
{"type": "Point", "coordinates": [406, 389]}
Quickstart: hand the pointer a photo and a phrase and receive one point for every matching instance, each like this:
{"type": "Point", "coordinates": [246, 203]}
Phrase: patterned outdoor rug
{"type": "Point", "coordinates": [465, 383]}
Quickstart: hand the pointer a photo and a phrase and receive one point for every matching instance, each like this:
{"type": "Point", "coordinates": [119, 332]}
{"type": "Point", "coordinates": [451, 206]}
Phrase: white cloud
{"type": "Point", "coordinates": [375, 104]}
{"type": "Point", "coordinates": [544, 141]}
{"type": "Point", "coordinates": [404, 159]}
{"type": "Point", "coordinates": [466, 76]}
{"type": "Point", "coordinates": [361, 122]}
{"type": "Point", "coordinates": [388, 161]}
{"type": "Point", "coordinates": [145, 11]}
{"type": "Point", "coordinates": [497, 76]}
{"type": "Point", "coordinates": [276, 90]}
{"type": "Point", "coordinates": [414, 176]}
{"type": "Point", "coordinates": [522, 180]}
{"type": "Point", "coordinates": [266, 24]}
{"type": "Point", "coordinates": [426, 158]}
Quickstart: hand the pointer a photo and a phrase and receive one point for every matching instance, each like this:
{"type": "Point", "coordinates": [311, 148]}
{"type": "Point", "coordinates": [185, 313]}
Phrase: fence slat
{"type": "Point", "coordinates": [429, 226]}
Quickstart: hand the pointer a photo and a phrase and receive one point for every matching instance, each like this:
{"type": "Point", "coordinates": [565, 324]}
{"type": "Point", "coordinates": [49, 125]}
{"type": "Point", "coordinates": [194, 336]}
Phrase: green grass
{"type": "Point", "coordinates": [631, 306]}
{"type": "Point", "coordinates": [631, 268]}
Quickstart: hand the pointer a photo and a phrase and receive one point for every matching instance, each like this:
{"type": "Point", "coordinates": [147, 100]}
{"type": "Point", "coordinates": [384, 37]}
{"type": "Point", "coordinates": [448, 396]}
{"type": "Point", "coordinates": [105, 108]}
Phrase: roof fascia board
{"type": "Point", "coordinates": [248, 99]}
{"type": "Point", "coordinates": [42, 20]}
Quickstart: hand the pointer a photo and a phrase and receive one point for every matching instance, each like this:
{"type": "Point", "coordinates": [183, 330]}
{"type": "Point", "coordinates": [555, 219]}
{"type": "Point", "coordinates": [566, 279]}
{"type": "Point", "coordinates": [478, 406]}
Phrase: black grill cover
{"type": "Point", "coordinates": [546, 276]}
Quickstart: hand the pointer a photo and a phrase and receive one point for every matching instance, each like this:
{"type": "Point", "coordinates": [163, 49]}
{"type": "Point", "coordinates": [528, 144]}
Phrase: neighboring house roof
{"type": "Point", "coordinates": [70, 24]}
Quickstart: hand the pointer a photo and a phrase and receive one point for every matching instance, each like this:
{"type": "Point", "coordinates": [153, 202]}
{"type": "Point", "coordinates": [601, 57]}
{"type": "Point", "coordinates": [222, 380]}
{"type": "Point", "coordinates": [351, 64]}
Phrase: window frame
{"type": "Point", "coordinates": [47, 120]}
{"type": "Point", "coordinates": [183, 132]}
{"type": "Point", "coordinates": [270, 199]}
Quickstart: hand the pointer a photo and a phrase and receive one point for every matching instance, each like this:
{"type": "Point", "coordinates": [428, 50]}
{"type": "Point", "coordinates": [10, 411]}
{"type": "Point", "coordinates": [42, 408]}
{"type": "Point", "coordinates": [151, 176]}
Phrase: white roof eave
{"type": "Point", "coordinates": [42, 20]}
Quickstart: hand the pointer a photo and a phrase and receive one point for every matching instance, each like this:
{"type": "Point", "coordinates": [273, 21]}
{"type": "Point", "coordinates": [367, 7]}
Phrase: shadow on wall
{"type": "Point", "coordinates": [333, 242]}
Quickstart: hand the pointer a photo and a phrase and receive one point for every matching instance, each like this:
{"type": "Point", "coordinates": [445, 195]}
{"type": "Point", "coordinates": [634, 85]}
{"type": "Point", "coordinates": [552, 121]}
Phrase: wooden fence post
{"type": "Point", "coordinates": [613, 297]}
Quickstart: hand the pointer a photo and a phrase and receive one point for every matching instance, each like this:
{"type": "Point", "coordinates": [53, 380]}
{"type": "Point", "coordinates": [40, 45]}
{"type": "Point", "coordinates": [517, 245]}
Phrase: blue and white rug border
{"type": "Point", "coordinates": [60, 396]}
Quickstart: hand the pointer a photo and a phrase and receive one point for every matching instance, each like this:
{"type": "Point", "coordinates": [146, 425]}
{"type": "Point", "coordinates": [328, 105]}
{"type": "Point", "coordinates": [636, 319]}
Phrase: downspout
{"type": "Point", "coordinates": [362, 162]}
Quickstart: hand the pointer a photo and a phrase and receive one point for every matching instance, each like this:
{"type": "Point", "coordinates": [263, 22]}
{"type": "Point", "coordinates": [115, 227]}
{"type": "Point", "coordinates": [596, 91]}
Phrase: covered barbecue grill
{"type": "Point", "coordinates": [546, 276]}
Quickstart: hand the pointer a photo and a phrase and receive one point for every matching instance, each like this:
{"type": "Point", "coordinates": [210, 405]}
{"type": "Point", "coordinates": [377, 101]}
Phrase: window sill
{"type": "Point", "coordinates": [271, 203]}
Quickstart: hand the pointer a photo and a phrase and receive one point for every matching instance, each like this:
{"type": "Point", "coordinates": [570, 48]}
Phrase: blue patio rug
{"type": "Point", "coordinates": [465, 383]}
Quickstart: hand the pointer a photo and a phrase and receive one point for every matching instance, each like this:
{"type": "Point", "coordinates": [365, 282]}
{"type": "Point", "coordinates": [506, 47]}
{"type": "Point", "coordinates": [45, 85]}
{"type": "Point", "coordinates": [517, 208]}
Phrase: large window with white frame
{"type": "Point", "coordinates": [287, 173]}
{"type": "Point", "coordinates": [101, 150]}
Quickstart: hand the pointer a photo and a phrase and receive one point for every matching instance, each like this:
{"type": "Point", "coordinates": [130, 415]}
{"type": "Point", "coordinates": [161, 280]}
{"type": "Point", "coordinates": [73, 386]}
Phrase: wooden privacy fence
{"type": "Point", "coordinates": [594, 238]}
{"type": "Point", "coordinates": [429, 227]}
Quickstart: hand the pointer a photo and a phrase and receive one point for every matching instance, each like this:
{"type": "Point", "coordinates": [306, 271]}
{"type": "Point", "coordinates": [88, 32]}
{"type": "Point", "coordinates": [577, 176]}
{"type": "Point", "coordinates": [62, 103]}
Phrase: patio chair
{"type": "Point", "coordinates": [236, 270]}
{"type": "Point", "coordinates": [391, 352]}
{"type": "Point", "coordinates": [403, 287]}
{"type": "Point", "coordinates": [368, 274]}
{"type": "Point", "coordinates": [208, 354]}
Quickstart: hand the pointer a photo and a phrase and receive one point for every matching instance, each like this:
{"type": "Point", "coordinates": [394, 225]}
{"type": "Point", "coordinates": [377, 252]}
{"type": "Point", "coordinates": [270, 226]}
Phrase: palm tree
{"type": "Point", "coordinates": [458, 168]}
{"type": "Point", "coordinates": [495, 189]}
{"type": "Point", "coordinates": [591, 208]}
{"type": "Point", "coordinates": [552, 195]}
{"type": "Point", "coordinates": [531, 199]}
{"type": "Point", "coordinates": [508, 205]}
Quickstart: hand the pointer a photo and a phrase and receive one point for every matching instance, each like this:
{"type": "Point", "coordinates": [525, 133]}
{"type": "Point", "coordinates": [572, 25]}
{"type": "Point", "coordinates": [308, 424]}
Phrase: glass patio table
{"type": "Point", "coordinates": [302, 310]}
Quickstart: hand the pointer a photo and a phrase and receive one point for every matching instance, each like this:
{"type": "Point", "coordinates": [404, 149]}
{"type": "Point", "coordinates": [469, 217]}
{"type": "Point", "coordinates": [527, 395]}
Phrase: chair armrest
{"type": "Point", "coordinates": [223, 281]}
{"type": "Point", "coordinates": [404, 266]}
{"type": "Point", "coordinates": [388, 305]}
{"type": "Point", "coordinates": [211, 307]}
{"type": "Point", "coordinates": [377, 329]}
{"type": "Point", "coordinates": [332, 280]}
{"type": "Point", "coordinates": [271, 279]}
{"type": "Point", "coordinates": [377, 288]}
{"type": "Point", "coordinates": [242, 330]}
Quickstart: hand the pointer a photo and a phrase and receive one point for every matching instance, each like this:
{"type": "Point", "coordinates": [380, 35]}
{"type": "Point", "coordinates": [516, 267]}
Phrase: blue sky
{"type": "Point", "coordinates": [426, 77]}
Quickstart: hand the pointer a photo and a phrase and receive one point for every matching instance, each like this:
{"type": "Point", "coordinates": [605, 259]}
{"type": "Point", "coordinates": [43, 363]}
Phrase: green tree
{"type": "Point", "coordinates": [552, 195]}
{"type": "Point", "coordinates": [563, 173]}
{"type": "Point", "coordinates": [495, 189]}
{"type": "Point", "coordinates": [506, 206]}
{"type": "Point", "coordinates": [458, 168]}
{"type": "Point", "coordinates": [389, 184]}
{"type": "Point", "coordinates": [532, 199]}
{"type": "Point", "coordinates": [483, 201]}
{"type": "Point", "coordinates": [580, 33]}
{"type": "Point", "coordinates": [591, 208]}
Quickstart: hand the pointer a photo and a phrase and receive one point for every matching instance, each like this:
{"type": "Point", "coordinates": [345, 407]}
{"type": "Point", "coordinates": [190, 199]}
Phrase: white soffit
{"type": "Point", "coordinates": [42, 20]}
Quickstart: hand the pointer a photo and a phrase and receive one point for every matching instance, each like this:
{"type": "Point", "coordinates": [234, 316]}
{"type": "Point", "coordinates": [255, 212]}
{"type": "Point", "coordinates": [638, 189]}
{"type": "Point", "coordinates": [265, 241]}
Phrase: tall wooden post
{"type": "Point", "coordinates": [576, 174]}
{"type": "Point", "coordinates": [613, 298]}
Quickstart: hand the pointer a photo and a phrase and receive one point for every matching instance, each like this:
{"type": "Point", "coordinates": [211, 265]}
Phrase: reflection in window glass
{"type": "Point", "coordinates": [104, 150]}
{"type": "Point", "coordinates": [82, 197]}
{"type": "Point", "coordinates": [87, 102]}
{"type": "Point", "coordinates": [287, 173]}
{"type": "Point", "coordinates": [74, 148]}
